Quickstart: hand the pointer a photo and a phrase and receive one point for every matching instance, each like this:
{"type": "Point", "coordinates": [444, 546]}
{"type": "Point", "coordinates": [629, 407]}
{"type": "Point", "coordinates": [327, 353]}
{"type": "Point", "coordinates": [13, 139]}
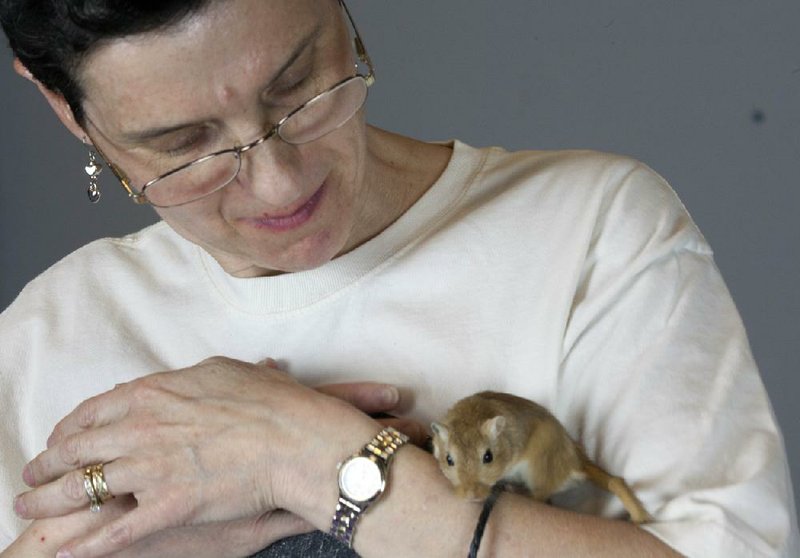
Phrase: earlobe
{"type": "Point", "coordinates": [55, 100]}
{"type": "Point", "coordinates": [22, 70]}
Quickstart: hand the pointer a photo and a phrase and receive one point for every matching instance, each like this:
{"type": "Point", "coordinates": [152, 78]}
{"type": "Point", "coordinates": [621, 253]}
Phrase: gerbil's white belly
{"type": "Point", "coordinates": [520, 474]}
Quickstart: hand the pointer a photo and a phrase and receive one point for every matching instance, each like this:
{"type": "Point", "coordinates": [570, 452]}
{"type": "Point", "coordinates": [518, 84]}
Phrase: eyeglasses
{"type": "Point", "coordinates": [317, 117]}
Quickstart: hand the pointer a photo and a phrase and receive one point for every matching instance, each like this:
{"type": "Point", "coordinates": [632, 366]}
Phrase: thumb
{"type": "Point", "coordinates": [368, 397]}
{"type": "Point", "coordinates": [270, 362]}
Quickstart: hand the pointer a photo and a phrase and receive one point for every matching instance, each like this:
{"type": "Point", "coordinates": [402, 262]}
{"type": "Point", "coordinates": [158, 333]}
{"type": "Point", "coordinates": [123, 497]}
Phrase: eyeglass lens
{"type": "Point", "coordinates": [320, 116]}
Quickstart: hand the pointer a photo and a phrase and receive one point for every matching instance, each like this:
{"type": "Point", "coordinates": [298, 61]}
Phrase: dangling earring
{"type": "Point", "coordinates": [93, 169]}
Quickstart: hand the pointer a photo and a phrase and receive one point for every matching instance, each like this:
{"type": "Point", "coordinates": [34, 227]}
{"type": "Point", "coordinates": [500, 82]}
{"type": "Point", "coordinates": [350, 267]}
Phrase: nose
{"type": "Point", "coordinates": [272, 172]}
{"type": "Point", "coordinates": [474, 492]}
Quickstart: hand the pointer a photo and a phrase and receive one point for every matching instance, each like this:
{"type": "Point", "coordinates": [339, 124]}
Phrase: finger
{"type": "Point", "coordinates": [99, 410]}
{"type": "Point", "coordinates": [369, 397]}
{"type": "Point", "coordinates": [67, 494]}
{"type": "Point", "coordinates": [114, 405]}
{"type": "Point", "coordinates": [43, 536]}
{"type": "Point", "coordinates": [99, 445]}
{"type": "Point", "coordinates": [272, 363]}
{"type": "Point", "coordinates": [118, 534]}
{"type": "Point", "coordinates": [417, 432]}
{"type": "Point", "coordinates": [241, 537]}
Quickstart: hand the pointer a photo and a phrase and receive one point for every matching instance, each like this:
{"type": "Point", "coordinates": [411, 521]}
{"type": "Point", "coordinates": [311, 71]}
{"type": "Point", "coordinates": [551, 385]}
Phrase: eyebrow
{"type": "Point", "coordinates": [138, 136]}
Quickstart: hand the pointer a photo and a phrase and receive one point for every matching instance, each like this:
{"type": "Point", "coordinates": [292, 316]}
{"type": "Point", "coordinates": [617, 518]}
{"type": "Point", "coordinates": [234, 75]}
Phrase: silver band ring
{"type": "Point", "coordinates": [94, 483]}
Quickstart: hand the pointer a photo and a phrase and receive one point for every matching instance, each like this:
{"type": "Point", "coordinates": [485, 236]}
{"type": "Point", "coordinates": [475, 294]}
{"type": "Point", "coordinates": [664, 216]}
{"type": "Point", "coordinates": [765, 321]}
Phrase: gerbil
{"type": "Point", "coordinates": [495, 437]}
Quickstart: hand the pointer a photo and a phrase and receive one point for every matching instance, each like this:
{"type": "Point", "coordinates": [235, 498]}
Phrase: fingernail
{"type": "Point", "coordinates": [19, 507]}
{"type": "Point", "coordinates": [272, 363]}
{"type": "Point", "coordinates": [63, 554]}
{"type": "Point", "coordinates": [27, 476]}
{"type": "Point", "coordinates": [390, 395]}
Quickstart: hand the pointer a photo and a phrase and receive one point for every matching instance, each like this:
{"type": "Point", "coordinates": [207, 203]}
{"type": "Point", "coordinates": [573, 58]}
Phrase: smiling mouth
{"type": "Point", "coordinates": [299, 217]}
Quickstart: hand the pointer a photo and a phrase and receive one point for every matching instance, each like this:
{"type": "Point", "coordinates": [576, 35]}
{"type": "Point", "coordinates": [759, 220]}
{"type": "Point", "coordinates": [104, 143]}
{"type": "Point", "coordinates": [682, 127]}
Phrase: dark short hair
{"type": "Point", "coordinates": [53, 37]}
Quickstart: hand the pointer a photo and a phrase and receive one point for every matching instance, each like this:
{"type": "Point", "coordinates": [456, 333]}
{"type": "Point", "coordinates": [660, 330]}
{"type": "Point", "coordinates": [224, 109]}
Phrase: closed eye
{"type": "Point", "coordinates": [195, 140]}
{"type": "Point", "coordinates": [293, 87]}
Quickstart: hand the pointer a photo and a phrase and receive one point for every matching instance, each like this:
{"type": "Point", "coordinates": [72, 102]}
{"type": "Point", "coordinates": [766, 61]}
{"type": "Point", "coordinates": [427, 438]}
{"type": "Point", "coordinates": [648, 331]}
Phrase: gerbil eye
{"type": "Point", "coordinates": [450, 461]}
{"type": "Point", "coordinates": [488, 457]}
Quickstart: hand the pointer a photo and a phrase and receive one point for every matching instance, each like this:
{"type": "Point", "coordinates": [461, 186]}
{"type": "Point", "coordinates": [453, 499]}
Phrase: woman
{"type": "Point", "coordinates": [291, 229]}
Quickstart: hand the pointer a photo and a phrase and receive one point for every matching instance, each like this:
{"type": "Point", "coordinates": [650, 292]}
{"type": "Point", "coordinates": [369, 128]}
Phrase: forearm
{"type": "Point", "coordinates": [420, 515]}
{"type": "Point", "coordinates": [520, 527]}
{"type": "Point", "coordinates": [26, 545]}
{"type": "Point", "coordinates": [43, 537]}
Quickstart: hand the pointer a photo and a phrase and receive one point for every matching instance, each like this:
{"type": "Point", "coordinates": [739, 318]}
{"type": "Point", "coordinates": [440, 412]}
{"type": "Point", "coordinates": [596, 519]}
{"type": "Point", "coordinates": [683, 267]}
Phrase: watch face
{"type": "Point", "coordinates": [360, 479]}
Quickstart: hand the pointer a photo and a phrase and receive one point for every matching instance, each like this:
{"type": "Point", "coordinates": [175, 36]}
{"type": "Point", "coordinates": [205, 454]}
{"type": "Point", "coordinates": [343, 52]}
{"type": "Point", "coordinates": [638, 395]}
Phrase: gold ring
{"type": "Point", "coordinates": [94, 483]}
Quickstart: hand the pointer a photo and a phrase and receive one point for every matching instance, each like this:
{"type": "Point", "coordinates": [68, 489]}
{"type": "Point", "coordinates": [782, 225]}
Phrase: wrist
{"type": "Point", "coordinates": [362, 481]}
{"type": "Point", "coordinates": [408, 520]}
{"type": "Point", "coordinates": [312, 490]}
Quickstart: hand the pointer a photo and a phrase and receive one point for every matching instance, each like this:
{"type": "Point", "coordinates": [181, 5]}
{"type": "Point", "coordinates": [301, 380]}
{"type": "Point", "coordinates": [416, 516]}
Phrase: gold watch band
{"type": "Point", "coordinates": [383, 447]}
{"type": "Point", "coordinates": [386, 443]}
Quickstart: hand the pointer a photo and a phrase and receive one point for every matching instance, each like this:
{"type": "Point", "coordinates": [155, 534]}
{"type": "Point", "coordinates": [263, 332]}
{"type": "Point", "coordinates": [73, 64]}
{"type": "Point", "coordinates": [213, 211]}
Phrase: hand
{"type": "Point", "coordinates": [220, 441]}
{"type": "Point", "coordinates": [44, 537]}
{"type": "Point", "coordinates": [378, 400]}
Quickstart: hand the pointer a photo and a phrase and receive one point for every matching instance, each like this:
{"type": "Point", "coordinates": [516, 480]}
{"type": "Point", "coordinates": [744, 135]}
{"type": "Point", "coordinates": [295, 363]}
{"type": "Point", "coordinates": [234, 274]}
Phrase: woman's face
{"type": "Point", "coordinates": [220, 79]}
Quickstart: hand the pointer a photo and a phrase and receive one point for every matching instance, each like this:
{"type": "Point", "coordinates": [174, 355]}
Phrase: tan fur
{"type": "Point", "coordinates": [529, 449]}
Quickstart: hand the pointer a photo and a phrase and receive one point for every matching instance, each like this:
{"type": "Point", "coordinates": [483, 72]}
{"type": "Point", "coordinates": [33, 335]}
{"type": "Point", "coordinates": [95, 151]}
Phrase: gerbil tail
{"type": "Point", "coordinates": [616, 486]}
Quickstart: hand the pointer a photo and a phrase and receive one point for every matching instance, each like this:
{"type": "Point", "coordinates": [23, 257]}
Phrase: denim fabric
{"type": "Point", "coordinates": [309, 545]}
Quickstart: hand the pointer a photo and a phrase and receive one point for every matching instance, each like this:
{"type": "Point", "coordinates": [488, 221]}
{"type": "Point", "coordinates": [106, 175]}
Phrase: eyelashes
{"type": "Point", "coordinates": [191, 143]}
{"type": "Point", "coordinates": [293, 87]}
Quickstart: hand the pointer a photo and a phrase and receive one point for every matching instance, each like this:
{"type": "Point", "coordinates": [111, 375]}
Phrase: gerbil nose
{"type": "Point", "coordinates": [468, 492]}
{"type": "Point", "coordinates": [272, 173]}
{"type": "Point", "coordinates": [474, 492]}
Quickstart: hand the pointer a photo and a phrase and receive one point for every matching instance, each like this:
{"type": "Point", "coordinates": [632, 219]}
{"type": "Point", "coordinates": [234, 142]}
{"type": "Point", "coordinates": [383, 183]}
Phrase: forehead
{"type": "Point", "coordinates": [199, 66]}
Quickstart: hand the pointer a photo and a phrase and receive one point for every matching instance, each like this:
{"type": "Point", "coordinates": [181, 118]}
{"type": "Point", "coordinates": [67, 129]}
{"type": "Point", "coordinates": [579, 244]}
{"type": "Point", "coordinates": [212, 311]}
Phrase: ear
{"type": "Point", "coordinates": [491, 428]}
{"type": "Point", "coordinates": [55, 100]}
{"type": "Point", "coordinates": [440, 431]}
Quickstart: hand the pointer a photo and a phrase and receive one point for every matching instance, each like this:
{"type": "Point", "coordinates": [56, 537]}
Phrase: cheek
{"type": "Point", "coordinates": [346, 151]}
{"type": "Point", "coordinates": [490, 473]}
{"type": "Point", "coordinates": [450, 474]}
{"type": "Point", "coordinates": [195, 218]}
{"type": "Point", "coordinates": [200, 222]}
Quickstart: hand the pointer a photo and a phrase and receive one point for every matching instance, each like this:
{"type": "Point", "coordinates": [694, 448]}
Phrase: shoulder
{"type": "Point", "coordinates": [136, 250]}
{"type": "Point", "coordinates": [110, 265]}
{"type": "Point", "coordinates": [581, 193]}
{"type": "Point", "coordinates": [573, 175]}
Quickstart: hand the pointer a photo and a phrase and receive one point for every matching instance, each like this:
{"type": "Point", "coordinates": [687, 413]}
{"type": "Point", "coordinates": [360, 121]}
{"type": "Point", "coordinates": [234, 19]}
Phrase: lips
{"type": "Point", "coordinates": [297, 218]}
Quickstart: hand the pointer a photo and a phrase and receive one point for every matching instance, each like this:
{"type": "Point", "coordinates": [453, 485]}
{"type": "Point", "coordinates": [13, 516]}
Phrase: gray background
{"type": "Point", "coordinates": [705, 92]}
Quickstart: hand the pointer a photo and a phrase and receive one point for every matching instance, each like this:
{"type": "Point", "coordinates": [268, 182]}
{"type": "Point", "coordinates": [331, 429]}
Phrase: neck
{"type": "Point", "coordinates": [399, 171]}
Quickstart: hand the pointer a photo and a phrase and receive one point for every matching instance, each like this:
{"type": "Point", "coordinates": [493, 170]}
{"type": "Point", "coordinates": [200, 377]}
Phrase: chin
{"type": "Point", "coordinates": [310, 253]}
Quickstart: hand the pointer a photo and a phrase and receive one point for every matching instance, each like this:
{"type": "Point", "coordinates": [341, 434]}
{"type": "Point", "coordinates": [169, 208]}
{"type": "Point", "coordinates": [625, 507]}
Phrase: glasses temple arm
{"type": "Point", "coordinates": [361, 50]}
{"type": "Point", "coordinates": [137, 197]}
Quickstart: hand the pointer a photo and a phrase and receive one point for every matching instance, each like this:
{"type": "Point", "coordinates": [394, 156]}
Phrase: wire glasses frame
{"type": "Point", "coordinates": [355, 85]}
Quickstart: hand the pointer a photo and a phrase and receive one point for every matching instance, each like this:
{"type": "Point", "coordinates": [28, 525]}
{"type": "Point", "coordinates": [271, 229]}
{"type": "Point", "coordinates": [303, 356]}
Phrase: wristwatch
{"type": "Point", "coordinates": [362, 480]}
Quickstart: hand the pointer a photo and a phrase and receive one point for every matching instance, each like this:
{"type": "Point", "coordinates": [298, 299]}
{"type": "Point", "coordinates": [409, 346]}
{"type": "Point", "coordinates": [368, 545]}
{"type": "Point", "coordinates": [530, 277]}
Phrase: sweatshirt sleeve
{"type": "Point", "coordinates": [661, 386]}
{"type": "Point", "coordinates": [14, 434]}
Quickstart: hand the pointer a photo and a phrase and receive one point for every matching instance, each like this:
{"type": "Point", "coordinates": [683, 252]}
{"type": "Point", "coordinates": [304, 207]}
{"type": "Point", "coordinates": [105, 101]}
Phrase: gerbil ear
{"type": "Point", "coordinates": [440, 431]}
{"type": "Point", "coordinates": [55, 100]}
{"type": "Point", "coordinates": [491, 428]}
